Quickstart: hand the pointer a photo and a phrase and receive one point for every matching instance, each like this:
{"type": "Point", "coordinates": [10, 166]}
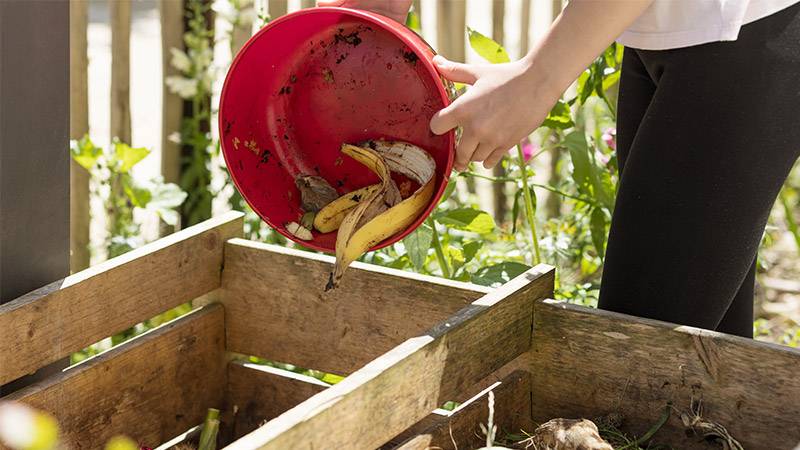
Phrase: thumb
{"type": "Point", "coordinates": [454, 71]}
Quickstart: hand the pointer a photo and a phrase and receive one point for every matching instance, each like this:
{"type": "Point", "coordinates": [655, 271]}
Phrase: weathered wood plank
{"type": "Point", "coordinates": [120, 11]}
{"type": "Point", "coordinates": [405, 384]}
{"type": "Point", "coordinates": [512, 406]}
{"type": "Point", "coordinates": [451, 17]}
{"type": "Point", "coordinates": [150, 388]}
{"type": "Point", "coordinates": [277, 308]}
{"type": "Point", "coordinates": [78, 126]}
{"type": "Point", "coordinates": [588, 363]}
{"type": "Point", "coordinates": [259, 393]}
{"type": "Point", "coordinates": [67, 315]}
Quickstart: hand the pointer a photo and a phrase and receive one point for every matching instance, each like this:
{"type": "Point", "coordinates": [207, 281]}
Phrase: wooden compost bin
{"type": "Point", "coordinates": [406, 343]}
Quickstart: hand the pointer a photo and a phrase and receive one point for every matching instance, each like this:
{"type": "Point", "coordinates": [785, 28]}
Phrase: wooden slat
{"type": "Point", "coordinates": [67, 315]}
{"type": "Point", "coordinates": [150, 388]}
{"type": "Point", "coordinates": [588, 363]}
{"type": "Point", "coordinates": [277, 8]}
{"type": "Point", "coordinates": [404, 385]}
{"type": "Point", "coordinates": [512, 407]}
{"type": "Point", "coordinates": [259, 393]}
{"type": "Point", "coordinates": [451, 17]}
{"type": "Point", "coordinates": [277, 308]}
{"type": "Point", "coordinates": [121, 69]}
{"type": "Point", "coordinates": [171, 13]}
{"type": "Point", "coordinates": [78, 126]}
{"type": "Point", "coordinates": [524, 27]}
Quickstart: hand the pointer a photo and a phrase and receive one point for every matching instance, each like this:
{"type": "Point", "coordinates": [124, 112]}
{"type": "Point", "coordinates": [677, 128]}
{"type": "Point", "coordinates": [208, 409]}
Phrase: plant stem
{"type": "Point", "coordinates": [208, 436]}
{"type": "Point", "coordinates": [543, 186]}
{"type": "Point", "coordinates": [437, 246]}
{"type": "Point", "coordinates": [530, 210]}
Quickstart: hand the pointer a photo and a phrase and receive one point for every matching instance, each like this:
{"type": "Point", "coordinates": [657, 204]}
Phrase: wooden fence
{"type": "Point", "coordinates": [449, 16]}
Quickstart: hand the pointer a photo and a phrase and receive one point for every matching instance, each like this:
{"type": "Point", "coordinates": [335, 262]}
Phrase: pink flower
{"type": "Point", "coordinates": [610, 138]}
{"type": "Point", "coordinates": [528, 149]}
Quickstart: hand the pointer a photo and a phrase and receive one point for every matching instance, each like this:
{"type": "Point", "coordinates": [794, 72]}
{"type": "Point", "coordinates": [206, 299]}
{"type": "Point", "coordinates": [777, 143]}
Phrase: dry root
{"type": "Point", "coordinates": [711, 431]}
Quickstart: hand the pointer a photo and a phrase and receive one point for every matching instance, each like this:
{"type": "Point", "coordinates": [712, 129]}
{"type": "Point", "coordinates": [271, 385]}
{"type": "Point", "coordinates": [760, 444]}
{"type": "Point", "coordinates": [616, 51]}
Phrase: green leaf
{"type": "Point", "coordinates": [611, 80]}
{"type": "Point", "coordinates": [597, 225]}
{"type": "Point", "coordinates": [515, 210]}
{"type": "Point", "coordinates": [412, 21]}
{"type": "Point", "coordinates": [499, 273]}
{"type": "Point", "coordinates": [487, 48]}
{"type": "Point", "coordinates": [167, 195]}
{"type": "Point", "coordinates": [559, 117]}
{"type": "Point", "coordinates": [128, 156]}
{"type": "Point", "coordinates": [467, 219]}
{"type": "Point", "coordinates": [448, 191]}
{"type": "Point", "coordinates": [417, 245]}
{"type": "Point", "coordinates": [84, 152]}
{"type": "Point", "coordinates": [138, 194]}
{"type": "Point", "coordinates": [575, 142]}
{"type": "Point", "coordinates": [470, 249]}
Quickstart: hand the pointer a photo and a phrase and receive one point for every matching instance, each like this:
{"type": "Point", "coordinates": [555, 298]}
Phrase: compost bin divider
{"type": "Point", "coordinates": [404, 385]}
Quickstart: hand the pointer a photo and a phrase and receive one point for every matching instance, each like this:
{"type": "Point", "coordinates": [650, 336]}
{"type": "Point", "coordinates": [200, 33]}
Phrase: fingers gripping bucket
{"type": "Point", "coordinates": [312, 80]}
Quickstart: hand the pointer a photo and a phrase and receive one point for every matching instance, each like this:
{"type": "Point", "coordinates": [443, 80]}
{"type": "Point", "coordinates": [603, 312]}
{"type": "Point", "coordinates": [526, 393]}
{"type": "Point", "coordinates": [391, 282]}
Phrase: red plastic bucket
{"type": "Point", "coordinates": [312, 80]}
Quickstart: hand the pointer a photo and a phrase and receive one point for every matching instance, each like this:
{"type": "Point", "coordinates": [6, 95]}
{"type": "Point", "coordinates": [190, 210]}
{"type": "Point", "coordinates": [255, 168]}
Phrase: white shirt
{"type": "Point", "coordinates": [682, 23]}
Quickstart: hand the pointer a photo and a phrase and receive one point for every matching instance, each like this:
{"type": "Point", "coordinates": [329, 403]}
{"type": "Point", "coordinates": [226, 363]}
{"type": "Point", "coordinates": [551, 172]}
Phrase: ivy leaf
{"type": "Point", "coordinates": [559, 117]}
{"type": "Point", "coordinates": [128, 156]}
{"type": "Point", "coordinates": [499, 273]}
{"type": "Point", "coordinates": [467, 219]}
{"type": "Point", "coordinates": [84, 152]}
{"type": "Point", "coordinates": [417, 245]}
{"type": "Point", "coordinates": [487, 48]}
{"type": "Point", "coordinates": [597, 224]}
{"type": "Point", "coordinates": [138, 195]}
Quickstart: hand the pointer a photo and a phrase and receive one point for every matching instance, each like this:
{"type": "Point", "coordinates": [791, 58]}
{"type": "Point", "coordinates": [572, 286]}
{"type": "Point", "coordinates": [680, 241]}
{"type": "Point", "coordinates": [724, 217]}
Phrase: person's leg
{"type": "Point", "coordinates": [705, 166]}
{"type": "Point", "coordinates": [636, 90]}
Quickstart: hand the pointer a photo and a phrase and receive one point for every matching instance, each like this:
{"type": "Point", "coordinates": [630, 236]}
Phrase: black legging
{"type": "Point", "coordinates": [706, 137]}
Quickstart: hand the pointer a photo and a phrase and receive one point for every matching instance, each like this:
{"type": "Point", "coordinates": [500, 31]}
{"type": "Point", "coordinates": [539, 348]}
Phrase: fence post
{"type": "Point", "coordinates": [451, 16]}
{"type": "Point", "coordinates": [278, 8]}
{"type": "Point", "coordinates": [78, 126]}
{"type": "Point", "coordinates": [120, 69]}
{"type": "Point", "coordinates": [171, 12]}
{"type": "Point", "coordinates": [307, 4]}
{"type": "Point", "coordinates": [525, 24]}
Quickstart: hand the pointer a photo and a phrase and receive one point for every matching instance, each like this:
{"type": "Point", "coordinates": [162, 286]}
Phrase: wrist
{"type": "Point", "coordinates": [541, 79]}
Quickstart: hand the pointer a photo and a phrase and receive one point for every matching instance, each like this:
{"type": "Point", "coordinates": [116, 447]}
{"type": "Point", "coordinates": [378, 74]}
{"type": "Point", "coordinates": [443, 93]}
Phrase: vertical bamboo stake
{"type": "Point", "coordinates": [120, 69]}
{"type": "Point", "coordinates": [172, 105]}
{"type": "Point", "coordinates": [499, 189]}
{"type": "Point", "coordinates": [278, 8]}
{"type": "Point", "coordinates": [78, 126]}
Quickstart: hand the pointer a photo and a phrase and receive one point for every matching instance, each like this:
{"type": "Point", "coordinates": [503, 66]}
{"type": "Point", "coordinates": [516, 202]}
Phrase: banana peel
{"type": "Point", "coordinates": [330, 217]}
{"type": "Point", "coordinates": [380, 214]}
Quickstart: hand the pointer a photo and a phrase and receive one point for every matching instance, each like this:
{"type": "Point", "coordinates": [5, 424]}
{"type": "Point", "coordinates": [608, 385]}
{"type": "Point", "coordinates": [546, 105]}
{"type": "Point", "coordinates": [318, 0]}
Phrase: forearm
{"type": "Point", "coordinates": [580, 33]}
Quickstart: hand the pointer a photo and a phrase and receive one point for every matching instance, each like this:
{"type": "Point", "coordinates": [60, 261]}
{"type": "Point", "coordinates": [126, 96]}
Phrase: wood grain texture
{"type": "Point", "coordinates": [404, 385]}
{"type": "Point", "coordinates": [120, 11]}
{"type": "Point", "coordinates": [78, 126]}
{"type": "Point", "coordinates": [587, 363]}
{"type": "Point", "coordinates": [512, 406]}
{"type": "Point", "coordinates": [150, 388]}
{"type": "Point", "coordinates": [260, 393]}
{"type": "Point", "coordinates": [67, 315]}
{"type": "Point", "coordinates": [276, 307]}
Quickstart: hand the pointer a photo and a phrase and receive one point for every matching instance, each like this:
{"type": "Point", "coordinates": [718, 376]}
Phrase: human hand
{"type": "Point", "coordinates": [394, 9]}
{"type": "Point", "coordinates": [504, 105]}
